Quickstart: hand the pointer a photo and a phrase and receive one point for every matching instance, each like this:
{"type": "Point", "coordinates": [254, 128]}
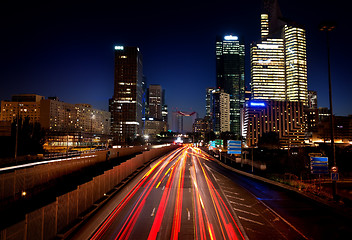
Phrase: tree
{"type": "Point", "coordinates": [210, 136]}
{"type": "Point", "coordinates": [30, 137]}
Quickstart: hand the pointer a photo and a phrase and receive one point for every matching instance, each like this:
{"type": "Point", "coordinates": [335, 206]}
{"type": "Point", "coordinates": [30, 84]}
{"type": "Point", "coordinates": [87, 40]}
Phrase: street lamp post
{"type": "Point", "coordinates": [17, 123]}
{"type": "Point", "coordinates": [252, 157]}
{"type": "Point", "coordinates": [328, 27]}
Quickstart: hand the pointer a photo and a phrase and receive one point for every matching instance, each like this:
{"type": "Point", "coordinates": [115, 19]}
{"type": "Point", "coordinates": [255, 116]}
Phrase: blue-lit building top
{"type": "Point", "coordinates": [230, 68]}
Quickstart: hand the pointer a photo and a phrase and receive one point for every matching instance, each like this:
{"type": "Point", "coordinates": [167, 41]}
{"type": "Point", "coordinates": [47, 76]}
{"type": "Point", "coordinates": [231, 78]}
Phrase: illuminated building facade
{"type": "Point", "coordinates": [296, 64]}
{"type": "Point", "coordinates": [164, 109]}
{"type": "Point", "coordinates": [278, 60]}
{"type": "Point", "coordinates": [155, 101]}
{"type": "Point", "coordinates": [285, 118]}
{"type": "Point", "coordinates": [202, 126]}
{"type": "Point", "coordinates": [230, 69]}
{"type": "Point", "coordinates": [76, 126]}
{"type": "Point", "coordinates": [67, 125]}
{"type": "Point", "coordinates": [312, 115]}
{"type": "Point", "coordinates": [208, 102]}
{"type": "Point", "coordinates": [126, 104]}
{"type": "Point", "coordinates": [155, 121]}
{"type": "Point", "coordinates": [24, 105]}
{"type": "Point", "coordinates": [154, 127]}
{"type": "Point", "coordinates": [279, 79]}
{"type": "Point", "coordinates": [221, 111]}
{"type": "Point", "coordinates": [268, 70]}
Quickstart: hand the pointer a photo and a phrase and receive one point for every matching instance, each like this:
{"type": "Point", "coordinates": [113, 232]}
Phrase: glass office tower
{"type": "Point", "coordinates": [296, 64]}
{"type": "Point", "coordinates": [126, 103]}
{"type": "Point", "coordinates": [230, 64]}
{"type": "Point", "coordinates": [279, 65]}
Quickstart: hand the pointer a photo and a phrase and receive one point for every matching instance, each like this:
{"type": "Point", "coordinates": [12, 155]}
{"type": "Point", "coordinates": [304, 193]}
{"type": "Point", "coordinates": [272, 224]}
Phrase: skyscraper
{"type": "Point", "coordinates": [164, 110]}
{"type": "Point", "coordinates": [278, 76]}
{"type": "Point", "coordinates": [126, 103]}
{"type": "Point", "coordinates": [268, 67]}
{"type": "Point", "coordinates": [230, 62]}
{"type": "Point", "coordinates": [155, 94]}
{"type": "Point", "coordinates": [278, 60]}
{"type": "Point", "coordinates": [221, 111]}
{"type": "Point", "coordinates": [208, 102]}
{"type": "Point", "coordinates": [296, 63]}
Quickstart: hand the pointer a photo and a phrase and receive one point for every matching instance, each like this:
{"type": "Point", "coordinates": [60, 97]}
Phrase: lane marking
{"type": "Point", "coordinates": [152, 215]}
{"type": "Point", "coordinates": [188, 214]}
{"type": "Point", "coordinates": [284, 220]}
{"type": "Point", "coordinates": [243, 211]}
{"type": "Point", "coordinates": [249, 220]}
{"type": "Point", "coordinates": [265, 204]}
{"type": "Point", "coordinates": [231, 192]}
{"type": "Point", "coordinates": [163, 188]}
{"type": "Point", "coordinates": [241, 199]}
{"type": "Point", "coordinates": [241, 204]}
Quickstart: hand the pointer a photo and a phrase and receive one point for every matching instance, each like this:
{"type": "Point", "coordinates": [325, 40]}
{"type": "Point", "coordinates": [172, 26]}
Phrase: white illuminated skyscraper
{"type": "Point", "coordinates": [268, 70]}
{"type": "Point", "coordinates": [296, 64]}
{"type": "Point", "coordinates": [278, 60]}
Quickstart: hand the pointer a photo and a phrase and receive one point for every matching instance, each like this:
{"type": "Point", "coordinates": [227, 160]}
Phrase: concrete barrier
{"type": "Point", "coordinates": [12, 184]}
{"type": "Point", "coordinates": [54, 218]}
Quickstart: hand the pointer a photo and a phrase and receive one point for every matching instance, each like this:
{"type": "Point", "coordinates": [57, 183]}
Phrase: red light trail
{"type": "Point", "coordinates": [182, 193]}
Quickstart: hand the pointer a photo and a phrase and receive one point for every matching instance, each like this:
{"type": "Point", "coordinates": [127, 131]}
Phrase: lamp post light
{"type": "Point", "coordinates": [146, 138]}
{"type": "Point", "coordinates": [328, 27]}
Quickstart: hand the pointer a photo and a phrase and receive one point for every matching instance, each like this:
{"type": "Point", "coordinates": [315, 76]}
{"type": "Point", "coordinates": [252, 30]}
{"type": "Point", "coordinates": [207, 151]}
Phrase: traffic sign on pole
{"type": "Point", "coordinates": [319, 165]}
{"type": "Point", "coordinates": [234, 147]}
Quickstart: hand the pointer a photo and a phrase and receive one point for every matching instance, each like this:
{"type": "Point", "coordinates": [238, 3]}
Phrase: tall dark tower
{"type": "Point", "coordinates": [126, 103]}
{"type": "Point", "coordinates": [230, 54]}
{"type": "Point", "coordinates": [276, 20]}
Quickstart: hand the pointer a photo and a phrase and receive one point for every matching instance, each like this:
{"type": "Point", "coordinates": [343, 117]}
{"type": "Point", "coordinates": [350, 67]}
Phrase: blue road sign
{"type": "Point", "coordinates": [234, 147]}
{"type": "Point", "coordinates": [319, 165]}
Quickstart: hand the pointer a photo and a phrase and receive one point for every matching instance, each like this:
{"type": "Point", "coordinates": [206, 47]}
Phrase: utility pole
{"type": "Point", "coordinates": [328, 27]}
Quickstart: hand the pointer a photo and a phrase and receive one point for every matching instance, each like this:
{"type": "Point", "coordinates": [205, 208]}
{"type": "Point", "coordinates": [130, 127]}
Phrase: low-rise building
{"type": "Point", "coordinates": [67, 125]}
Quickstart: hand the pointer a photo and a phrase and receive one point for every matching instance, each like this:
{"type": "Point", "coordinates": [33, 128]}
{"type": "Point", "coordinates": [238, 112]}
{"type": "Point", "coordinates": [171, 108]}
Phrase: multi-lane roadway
{"type": "Point", "coordinates": [188, 195]}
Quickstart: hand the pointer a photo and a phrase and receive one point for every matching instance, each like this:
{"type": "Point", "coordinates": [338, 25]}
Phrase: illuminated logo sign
{"type": "Point", "coordinates": [118, 47]}
{"type": "Point", "coordinates": [230, 37]}
{"type": "Point", "coordinates": [257, 104]}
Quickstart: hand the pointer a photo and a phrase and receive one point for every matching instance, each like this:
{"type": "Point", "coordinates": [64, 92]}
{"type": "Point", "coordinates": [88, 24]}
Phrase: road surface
{"type": "Point", "coordinates": [188, 195]}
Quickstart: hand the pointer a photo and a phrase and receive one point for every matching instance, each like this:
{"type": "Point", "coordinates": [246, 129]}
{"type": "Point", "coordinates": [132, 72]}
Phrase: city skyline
{"type": "Point", "coordinates": [68, 50]}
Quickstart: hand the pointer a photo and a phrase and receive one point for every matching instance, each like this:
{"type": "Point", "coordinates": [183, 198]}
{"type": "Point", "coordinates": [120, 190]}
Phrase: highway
{"type": "Point", "coordinates": [188, 195]}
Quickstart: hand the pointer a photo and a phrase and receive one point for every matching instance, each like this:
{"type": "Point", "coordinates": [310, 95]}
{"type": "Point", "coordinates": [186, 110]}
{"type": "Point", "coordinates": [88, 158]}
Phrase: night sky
{"type": "Point", "coordinates": [66, 49]}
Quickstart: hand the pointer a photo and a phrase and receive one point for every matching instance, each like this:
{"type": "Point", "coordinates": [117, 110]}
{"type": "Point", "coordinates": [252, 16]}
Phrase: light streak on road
{"type": "Point", "coordinates": [162, 191]}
